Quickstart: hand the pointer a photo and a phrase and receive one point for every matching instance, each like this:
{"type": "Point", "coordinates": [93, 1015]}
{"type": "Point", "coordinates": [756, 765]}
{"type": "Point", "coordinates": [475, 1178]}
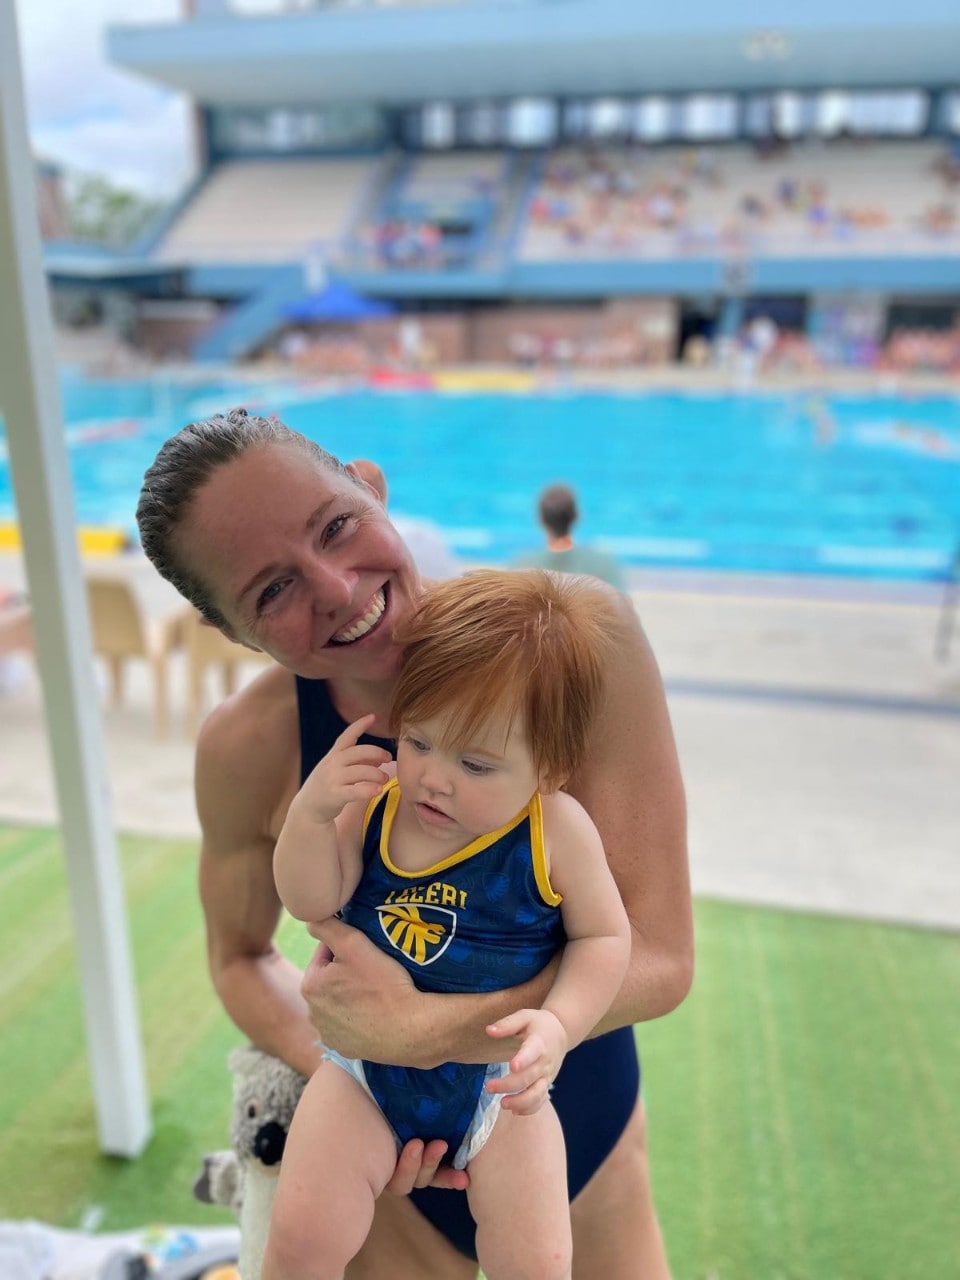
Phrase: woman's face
{"type": "Point", "coordinates": [302, 562]}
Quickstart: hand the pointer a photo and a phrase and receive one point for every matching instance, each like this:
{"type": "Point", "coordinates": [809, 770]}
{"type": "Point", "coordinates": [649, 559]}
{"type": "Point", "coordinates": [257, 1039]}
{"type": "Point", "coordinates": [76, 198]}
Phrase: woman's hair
{"type": "Point", "coordinates": [182, 467]}
{"type": "Point", "coordinates": [508, 643]}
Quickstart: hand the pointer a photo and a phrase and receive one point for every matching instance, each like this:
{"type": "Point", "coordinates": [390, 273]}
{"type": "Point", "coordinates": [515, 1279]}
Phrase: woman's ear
{"type": "Point", "coordinates": [369, 474]}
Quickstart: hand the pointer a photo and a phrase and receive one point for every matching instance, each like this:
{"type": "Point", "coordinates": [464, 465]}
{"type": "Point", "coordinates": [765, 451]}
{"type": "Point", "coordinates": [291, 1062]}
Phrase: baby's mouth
{"type": "Point", "coordinates": [363, 625]}
{"type": "Point", "coordinates": [431, 813]}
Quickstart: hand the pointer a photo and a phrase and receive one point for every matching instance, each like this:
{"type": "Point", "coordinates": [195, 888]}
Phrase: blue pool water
{"type": "Point", "coordinates": [793, 482]}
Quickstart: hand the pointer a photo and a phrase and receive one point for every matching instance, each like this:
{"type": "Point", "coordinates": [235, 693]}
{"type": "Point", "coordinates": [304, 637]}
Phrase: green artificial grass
{"type": "Point", "coordinates": [804, 1102]}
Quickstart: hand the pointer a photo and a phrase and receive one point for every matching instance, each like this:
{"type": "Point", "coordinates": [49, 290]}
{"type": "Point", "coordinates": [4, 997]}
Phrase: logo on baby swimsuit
{"type": "Point", "coordinates": [421, 933]}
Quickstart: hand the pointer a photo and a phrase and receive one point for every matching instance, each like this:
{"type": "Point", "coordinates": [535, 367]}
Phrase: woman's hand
{"type": "Point", "coordinates": [362, 1003]}
{"type": "Point", "coordinates": [419, 1166]}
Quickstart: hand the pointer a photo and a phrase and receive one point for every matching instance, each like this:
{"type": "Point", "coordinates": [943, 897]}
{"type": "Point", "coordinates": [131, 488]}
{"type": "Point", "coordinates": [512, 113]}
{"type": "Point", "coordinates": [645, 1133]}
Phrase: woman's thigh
{"type": "Point", "coordinates": [615, 1229]}
{"type": "Point", "coordinates": [403, 1245]}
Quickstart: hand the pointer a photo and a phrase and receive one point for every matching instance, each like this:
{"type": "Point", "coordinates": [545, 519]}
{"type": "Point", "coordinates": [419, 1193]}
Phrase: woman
{"type": "Point", "coordinates": [287, 551]}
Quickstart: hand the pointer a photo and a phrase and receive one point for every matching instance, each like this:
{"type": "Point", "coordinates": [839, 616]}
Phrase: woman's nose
{"type": "Point", "coordinates": [332, 586]}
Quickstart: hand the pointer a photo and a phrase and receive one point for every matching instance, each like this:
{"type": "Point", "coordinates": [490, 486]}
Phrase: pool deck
{"type": "Point", "coordinates": [818, 732]}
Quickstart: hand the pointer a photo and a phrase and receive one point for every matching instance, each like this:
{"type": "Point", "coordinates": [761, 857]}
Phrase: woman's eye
{"type": "Point", "coordinates": [268, 595]}
{"type": "Point", "coordinates": [334, 527]}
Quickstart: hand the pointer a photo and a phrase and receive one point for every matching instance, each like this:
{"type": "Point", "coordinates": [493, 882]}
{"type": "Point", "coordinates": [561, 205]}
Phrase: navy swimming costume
{"type": "Point", "coordinates": [596, 1089]}
{"type": "Point", "coordinates": [482, 919]}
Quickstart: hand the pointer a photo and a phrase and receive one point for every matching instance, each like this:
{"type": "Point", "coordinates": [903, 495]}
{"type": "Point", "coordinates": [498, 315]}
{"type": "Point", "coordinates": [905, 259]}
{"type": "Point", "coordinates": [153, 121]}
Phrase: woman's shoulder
{"type": "Point", "coordinates": [250, 740]}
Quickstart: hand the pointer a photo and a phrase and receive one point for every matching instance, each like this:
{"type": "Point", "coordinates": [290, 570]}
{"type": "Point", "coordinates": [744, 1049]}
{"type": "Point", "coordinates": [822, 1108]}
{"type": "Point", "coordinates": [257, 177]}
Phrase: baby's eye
{"type": "Point", "coordinates": [416, 743]}
{"type": "Point", "coordinates": [476, 768]}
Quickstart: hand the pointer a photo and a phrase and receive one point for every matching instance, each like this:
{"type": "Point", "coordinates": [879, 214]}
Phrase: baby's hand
{"type": "Point", "coordinates": [346, 773]}
{"type": "Point", "coordinates": [534, 1066]}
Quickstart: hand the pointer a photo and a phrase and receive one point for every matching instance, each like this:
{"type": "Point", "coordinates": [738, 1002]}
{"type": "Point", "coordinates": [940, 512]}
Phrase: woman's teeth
{"type": "Point", "coordinates": [361, 626]}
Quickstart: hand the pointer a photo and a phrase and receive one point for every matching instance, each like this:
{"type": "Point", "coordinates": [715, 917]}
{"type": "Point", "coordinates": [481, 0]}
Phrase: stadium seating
{"type": "Point", "coordinates": [836, 198]}
{"type": "Point", "coordinates": [268, 210]}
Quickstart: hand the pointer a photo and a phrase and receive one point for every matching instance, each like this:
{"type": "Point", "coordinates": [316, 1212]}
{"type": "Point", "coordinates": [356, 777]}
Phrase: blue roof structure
{"type": "Point", "coordinates": [337, 302]}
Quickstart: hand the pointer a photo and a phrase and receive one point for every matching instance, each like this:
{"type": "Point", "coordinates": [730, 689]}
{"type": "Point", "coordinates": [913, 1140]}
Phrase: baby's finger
{"type": "Point", "coordinates": [353, 732]}
{"type": "Point", "coordinates": [527, 1101]}
{"type": "Point", "coordinates": [515, 1081]}
{"type": "Point", "coordinates": [358, 772]}
{"type": "Point", "coordinates": [365, 753]}
{"type": "Point", "coordinates": [514, 1024]}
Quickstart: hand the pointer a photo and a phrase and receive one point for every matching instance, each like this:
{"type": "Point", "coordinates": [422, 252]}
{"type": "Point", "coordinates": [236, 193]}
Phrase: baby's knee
{"type": "Point", "coordinates": [530, 1259]}
{"type": "Point", "coordinates": [293, 1250]}
{"type": "Point", "coordinates": [552, 1264]}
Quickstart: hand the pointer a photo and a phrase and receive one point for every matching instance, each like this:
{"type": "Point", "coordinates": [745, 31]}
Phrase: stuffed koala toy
{"type": "Point", "coordinates": [265, 1095]}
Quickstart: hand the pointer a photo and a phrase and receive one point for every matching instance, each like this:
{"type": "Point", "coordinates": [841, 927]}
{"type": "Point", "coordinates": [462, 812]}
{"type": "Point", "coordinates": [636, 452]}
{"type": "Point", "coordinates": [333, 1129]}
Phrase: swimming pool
{"type": "Point", "coordinates": [788, 482]}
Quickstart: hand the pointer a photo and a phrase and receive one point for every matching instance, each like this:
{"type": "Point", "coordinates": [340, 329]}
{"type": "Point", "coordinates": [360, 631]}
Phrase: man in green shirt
{"type": "Point", "coordinates": [557, 510]}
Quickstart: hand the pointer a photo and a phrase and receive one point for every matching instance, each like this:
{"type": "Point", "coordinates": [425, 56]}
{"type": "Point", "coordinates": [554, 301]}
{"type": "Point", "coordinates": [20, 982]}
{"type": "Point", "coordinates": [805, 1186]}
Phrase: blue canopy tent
{"type": "Point", "coordinates": [337, 303]}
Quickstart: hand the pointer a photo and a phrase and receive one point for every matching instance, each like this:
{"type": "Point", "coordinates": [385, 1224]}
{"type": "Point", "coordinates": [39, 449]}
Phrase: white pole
{"type": "Point", "coordinates": [30, 405]}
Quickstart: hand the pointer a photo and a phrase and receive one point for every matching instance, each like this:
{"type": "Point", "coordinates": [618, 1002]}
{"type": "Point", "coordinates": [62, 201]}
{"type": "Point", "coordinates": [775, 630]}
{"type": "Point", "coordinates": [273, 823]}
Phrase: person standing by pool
{"type": "Point", "coordinates": [286, 550]}
{"type": "Point", "coordinates": [473, 869]}
{"type": "Point", "coordinates": [558, 513]}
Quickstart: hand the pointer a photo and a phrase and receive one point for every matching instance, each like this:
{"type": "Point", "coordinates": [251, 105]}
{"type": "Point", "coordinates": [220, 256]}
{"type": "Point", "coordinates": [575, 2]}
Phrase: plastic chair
{"type": "Point", "coordinates": [121, 633]}
{"type": "Point", "coordinates": [207, 647]}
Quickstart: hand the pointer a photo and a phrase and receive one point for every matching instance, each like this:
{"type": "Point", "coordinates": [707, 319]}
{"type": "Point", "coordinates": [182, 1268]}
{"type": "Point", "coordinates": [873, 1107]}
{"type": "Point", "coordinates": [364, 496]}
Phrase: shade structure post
{"type": "Point", "coordinates": [30, 406]}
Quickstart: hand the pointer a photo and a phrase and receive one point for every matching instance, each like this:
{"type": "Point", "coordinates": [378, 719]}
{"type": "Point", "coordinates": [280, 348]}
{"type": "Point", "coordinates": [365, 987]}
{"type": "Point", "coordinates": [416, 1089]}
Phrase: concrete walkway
{"type": "Point", "coordinates": [819, 737]}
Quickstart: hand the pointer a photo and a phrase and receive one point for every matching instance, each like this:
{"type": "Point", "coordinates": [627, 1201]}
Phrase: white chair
{"type": "Point", "coordinates": [121, 633]}
{"type": "Point", "coordinates": [207, 647]}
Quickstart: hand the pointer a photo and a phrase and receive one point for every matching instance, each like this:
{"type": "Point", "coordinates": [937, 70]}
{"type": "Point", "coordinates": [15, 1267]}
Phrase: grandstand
{"type": "Point", "coordinates": [581, 177]}
{"type": "Point", "coordinates": [267, 211]}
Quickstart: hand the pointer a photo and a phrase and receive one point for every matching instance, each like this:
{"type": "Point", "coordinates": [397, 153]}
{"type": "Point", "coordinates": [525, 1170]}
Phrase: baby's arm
{"type": "Point", "coordinates": [592, 966]}
{"type": "Point", "coordinates": [317, 863]}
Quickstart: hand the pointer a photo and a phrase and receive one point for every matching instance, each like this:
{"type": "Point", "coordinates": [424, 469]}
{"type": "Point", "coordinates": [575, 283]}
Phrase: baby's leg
{"type": "Point", "coordinates": [339, 1154]}
{"type": "Point", "coordinates": [518, 1195]}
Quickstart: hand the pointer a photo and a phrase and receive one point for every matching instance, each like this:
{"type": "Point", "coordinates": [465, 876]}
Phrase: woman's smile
{"type": "Point", "coordinates": [365, 622]}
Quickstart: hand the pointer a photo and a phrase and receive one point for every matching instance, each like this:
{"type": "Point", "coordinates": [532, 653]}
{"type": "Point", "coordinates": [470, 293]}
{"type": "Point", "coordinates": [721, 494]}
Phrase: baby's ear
{"type": "Point", "coordinates": [549, 786]}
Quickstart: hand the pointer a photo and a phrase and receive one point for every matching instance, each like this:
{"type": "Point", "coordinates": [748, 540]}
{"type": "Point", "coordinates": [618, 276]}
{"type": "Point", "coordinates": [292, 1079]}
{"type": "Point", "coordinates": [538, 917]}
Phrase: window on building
{"type": "Point", "coordinates": [608, 118]}
{"type": "Point", "coordinates": [437, 126]}
{"type": "Point", "coordinates": [758, 115]}
{"type": "Point", "coordinates": [950, 112]}
{"type": "Point", "coordinates": [480, 124]}
{"type": "Point", "coordinates": [532, 122]}
{"type": "Point", "coordinates": [708, 115]}
{"type": "Point", "coordinates": [793, 114]}
{"type": "Point", "coordinates": [653, 119]}
{"type": "Point", "coordinates": [902, 113]}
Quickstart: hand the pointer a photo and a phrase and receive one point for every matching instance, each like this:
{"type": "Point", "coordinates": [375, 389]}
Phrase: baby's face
{"type": "Point", "coordinates": [460, 793]}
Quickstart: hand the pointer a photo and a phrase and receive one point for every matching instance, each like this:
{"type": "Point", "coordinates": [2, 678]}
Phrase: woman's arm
{"type": "Point", "coordinates": [632, 788]}
{"type": "Point", "coordinates": [244, 775]}
{"type": "Point", "coordinates": [594, 961]}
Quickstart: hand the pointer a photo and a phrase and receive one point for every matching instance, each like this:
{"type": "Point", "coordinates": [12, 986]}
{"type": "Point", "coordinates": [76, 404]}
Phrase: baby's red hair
{"type": "Point", "coordinates": [506, 643]}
